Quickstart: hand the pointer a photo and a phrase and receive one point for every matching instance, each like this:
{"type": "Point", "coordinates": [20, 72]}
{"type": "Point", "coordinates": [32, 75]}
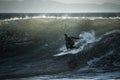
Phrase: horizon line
{"type": "Point", "coordinates": [56, 12]}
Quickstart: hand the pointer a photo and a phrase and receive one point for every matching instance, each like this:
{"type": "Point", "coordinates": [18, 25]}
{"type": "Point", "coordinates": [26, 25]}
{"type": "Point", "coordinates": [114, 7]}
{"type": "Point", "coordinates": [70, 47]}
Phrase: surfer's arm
{"type": "Point", "coordinates": [75, 37]}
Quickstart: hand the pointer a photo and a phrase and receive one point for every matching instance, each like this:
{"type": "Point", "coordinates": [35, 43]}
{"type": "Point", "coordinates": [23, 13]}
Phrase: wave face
{"type": "Point", "coordinates": [28, 46]}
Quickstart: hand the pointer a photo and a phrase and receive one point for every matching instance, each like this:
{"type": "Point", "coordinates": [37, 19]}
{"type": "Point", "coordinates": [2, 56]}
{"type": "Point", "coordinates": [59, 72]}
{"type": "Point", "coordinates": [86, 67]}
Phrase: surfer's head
{"type": "Point", "coordinates": [65, 35]}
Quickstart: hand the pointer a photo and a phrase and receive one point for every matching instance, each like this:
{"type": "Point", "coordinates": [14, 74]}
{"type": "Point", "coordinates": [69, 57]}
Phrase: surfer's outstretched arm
{"type": "Point", "coordinates": [75, 37]}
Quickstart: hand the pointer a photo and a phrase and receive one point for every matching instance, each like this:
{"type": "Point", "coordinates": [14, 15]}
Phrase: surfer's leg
{"type": "Point", "coordinates": [68, 46]}
{"type": "Point", "coordinates": [72, 46]}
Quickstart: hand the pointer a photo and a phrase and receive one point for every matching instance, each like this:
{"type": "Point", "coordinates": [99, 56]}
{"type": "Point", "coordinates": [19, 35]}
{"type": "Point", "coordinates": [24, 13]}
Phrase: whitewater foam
{"type": "Point", "coordinates": [85, 39]}
{"type": "Point", "coordinates": [57, 17]}
{"type": "Point", "coordinates": [92, 76]}
{"type": "Point", "coordinates": [107, 33]}
{"type": "Point", "coordinates": [110, 75]}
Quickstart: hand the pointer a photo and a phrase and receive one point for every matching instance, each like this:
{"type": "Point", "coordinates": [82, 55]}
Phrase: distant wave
{"type": "Point", "coordinates": [57, 17]}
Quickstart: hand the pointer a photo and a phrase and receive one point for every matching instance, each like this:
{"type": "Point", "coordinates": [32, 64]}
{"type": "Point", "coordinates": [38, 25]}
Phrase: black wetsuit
{"type": "Point", "coordinates": [70, 42]}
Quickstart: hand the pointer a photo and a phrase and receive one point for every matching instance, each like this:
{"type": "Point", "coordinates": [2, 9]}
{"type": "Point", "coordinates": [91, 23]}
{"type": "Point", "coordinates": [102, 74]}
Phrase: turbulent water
{"type": "Point", "coordinates": [27, 46]}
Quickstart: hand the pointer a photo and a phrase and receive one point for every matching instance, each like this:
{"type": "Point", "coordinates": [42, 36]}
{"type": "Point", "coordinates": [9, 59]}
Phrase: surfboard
{"type": "Point", "coordinates": [63, 53]}
{"type": "Point", "coordinates": [85, 39]}
{"type": "Point", "coordinates": [69, 51]}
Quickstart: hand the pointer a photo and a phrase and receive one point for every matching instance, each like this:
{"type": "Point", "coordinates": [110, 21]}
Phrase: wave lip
{"type": "Point", "coordinates": [57, 17]}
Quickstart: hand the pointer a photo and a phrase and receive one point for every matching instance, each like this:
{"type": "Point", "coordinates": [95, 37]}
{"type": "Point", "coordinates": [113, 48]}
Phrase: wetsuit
{"type": "Point", "coordinates": [70, 42]}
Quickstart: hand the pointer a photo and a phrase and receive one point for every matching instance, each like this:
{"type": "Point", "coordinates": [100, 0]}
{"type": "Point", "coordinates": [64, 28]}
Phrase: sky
{"type": "Point", "coordinates": [58, 6]}
{"type": "Point", "coordinates": [89, 1]}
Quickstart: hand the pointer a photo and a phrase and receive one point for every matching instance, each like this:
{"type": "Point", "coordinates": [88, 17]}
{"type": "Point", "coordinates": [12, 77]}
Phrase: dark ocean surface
{"type": "Point", "coordinates": [29, 41]}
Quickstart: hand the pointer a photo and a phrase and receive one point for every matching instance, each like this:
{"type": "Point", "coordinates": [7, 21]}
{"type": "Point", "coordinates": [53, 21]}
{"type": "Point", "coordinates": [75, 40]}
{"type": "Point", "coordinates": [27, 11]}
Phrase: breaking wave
{"type": "Point", "coordinates": [27, 49]}
{"type": "Point", "coordinates": [62, 17]}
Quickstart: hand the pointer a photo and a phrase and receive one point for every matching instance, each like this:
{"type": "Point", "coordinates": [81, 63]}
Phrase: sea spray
{"type": "Point", "coordinates": [85, 39]}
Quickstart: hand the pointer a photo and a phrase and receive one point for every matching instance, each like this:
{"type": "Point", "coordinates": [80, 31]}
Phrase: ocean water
{"type": "Point", "coordinates": [28, 43]}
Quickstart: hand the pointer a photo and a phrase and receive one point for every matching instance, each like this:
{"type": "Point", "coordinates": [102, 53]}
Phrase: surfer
{"type": "Point", "coordinates": [69, 41]}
